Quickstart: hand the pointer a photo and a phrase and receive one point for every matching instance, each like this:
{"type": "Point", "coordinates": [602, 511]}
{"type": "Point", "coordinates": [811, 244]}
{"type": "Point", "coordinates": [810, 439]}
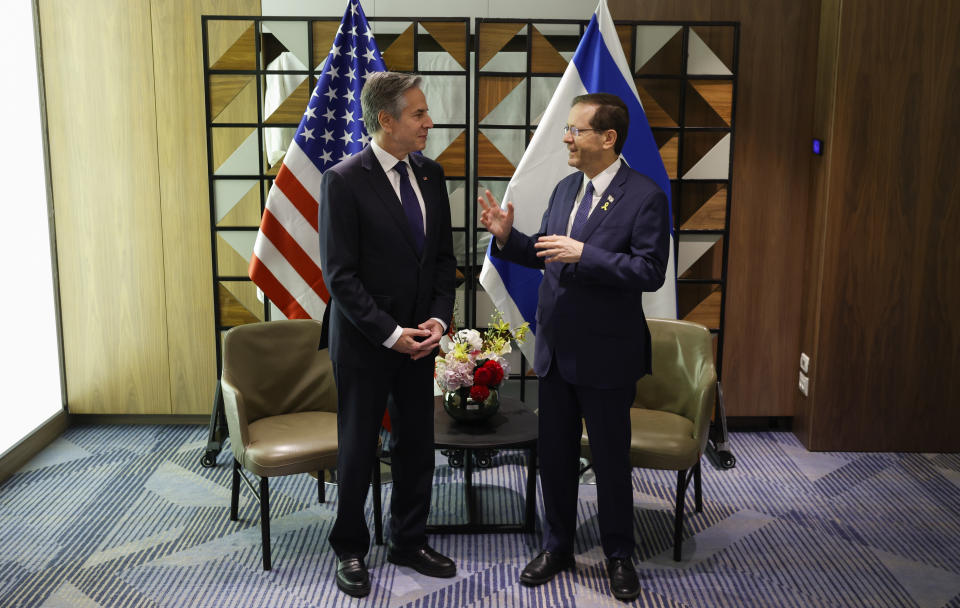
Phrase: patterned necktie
{"type": "Point", "coordinates": [411, 206]}
{"type": "Point", "coordinates": [583, 212]}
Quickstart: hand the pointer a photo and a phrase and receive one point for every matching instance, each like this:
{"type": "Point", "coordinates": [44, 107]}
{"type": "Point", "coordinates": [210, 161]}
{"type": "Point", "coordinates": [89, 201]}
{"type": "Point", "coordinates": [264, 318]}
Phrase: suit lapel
{"type": "Point", "coordinates": [608, 200]}
{"type": "Point", "coordinates": [565, 202]}
{"type": "Point", "coordinates": [388, 197]}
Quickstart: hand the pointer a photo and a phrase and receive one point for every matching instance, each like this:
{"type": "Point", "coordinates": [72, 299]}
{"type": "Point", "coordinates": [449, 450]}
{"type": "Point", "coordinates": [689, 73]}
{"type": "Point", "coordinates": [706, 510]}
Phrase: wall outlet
{"type": "Point", "coordinates": [804, 384]}
{"type": "Point", "coordinates": [804, 363]}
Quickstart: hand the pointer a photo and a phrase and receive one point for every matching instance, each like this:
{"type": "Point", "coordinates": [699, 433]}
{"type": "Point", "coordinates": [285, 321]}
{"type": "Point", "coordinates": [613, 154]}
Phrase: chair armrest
{"type": "Point", "coordinates": [705, 396]}
{"type": "Point", "coordinates": [236, 415]}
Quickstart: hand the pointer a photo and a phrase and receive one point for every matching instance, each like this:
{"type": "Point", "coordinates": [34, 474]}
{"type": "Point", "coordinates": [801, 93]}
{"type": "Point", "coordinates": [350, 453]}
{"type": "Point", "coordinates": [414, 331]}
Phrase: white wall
{"type": "Point", "coordinates": [513, 9]}
{"type": "Point", "coordinates": [29, 361]}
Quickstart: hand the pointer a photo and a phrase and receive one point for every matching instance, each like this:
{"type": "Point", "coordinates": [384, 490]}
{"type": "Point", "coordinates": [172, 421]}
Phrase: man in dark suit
{"type": "Point", "coordinates": [386, 251]}
{"type": "Point", "coordinates": [604, 240]}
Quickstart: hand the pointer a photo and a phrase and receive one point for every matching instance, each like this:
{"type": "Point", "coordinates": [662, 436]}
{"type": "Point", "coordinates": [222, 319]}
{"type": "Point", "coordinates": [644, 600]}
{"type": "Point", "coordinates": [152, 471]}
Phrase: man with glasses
{"type": "Point", "coordinates": [604, 240]}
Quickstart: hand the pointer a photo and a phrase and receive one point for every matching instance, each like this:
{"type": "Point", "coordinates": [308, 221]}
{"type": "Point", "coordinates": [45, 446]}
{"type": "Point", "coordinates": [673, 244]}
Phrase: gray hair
{"type": "Point", "coordinates": [384, 91]}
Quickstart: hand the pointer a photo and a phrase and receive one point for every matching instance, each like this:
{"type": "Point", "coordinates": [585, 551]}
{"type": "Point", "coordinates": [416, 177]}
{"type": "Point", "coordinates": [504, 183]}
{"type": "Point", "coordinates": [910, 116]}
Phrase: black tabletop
{"type": "Point", "coordinates": [514, 425]}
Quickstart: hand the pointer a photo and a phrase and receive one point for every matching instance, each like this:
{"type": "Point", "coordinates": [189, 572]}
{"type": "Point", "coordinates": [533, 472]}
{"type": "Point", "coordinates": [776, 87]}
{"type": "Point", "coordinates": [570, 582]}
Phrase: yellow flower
{"type": "Point", "coordinates": [461, 351]}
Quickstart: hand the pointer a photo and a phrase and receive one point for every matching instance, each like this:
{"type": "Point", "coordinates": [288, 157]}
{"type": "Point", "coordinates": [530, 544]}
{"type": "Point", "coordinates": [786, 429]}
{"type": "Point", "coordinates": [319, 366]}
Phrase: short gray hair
{"type": "Point", "coordinates": [384, 91]}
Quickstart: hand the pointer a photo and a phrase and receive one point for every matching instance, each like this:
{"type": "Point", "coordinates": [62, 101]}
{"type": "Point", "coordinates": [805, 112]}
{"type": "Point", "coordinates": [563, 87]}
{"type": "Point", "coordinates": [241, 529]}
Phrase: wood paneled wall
{"type": "Point", "coordinates": [102, 121]}
{"type": "Point", "coordinates": [883, 330]}
{"type": "Point", "coordinates": [124, 87]}
{"type": "Point", "coordinates": [768, 213]}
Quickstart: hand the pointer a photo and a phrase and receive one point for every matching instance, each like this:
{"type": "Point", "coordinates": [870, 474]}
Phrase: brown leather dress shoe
{"type": "Point", "coordinates": [352, 576]}
{"type": "Point", "coordinates": [424, 560]}
{"type": "Point", "coordinates": [623, 579]}
{"type": "Point", "coordinates": [544, 567]}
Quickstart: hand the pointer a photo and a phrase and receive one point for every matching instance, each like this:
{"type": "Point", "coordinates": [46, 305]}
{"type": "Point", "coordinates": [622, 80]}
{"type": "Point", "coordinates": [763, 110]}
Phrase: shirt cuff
{"type": "Point", "coordinates": [392, 339]}
{"type": "Point", "coordinates": [442, 324]}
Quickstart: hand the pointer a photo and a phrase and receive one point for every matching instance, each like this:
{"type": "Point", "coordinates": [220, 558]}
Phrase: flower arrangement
{"type": "Point", "coordinates": [475, 362]}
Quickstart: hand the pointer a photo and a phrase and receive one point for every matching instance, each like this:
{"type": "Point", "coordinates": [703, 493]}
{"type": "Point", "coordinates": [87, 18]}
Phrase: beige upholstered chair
{"type": "Point", "coordinates": [281, 408]}
{"type": "Point", "coordinates": [671, 413]}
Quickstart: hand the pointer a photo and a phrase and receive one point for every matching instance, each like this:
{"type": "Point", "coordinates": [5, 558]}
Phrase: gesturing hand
{"type": "Point", "coordinates": [558, 248]}
{"type": "Point", "coordinates": [495, 219]}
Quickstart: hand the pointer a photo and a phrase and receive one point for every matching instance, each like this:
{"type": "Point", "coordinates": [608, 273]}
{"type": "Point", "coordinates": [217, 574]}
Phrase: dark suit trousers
{"type": "Point", "coordinates": [362, 398]}
{"type": "Point", "coordinates": [607, 415]}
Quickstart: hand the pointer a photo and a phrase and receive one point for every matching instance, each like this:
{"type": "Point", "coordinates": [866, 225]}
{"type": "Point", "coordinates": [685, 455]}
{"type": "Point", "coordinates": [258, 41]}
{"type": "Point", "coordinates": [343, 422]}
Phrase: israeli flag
{"type": "Point", "coordinates": [598, 66]}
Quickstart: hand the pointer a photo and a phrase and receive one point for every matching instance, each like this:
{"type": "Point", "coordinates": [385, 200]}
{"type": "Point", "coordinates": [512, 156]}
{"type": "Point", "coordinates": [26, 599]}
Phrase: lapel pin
{"type": "Point", "coordinates": [424, 178]}
{"type": "Point", "coordinates": [605, 205]}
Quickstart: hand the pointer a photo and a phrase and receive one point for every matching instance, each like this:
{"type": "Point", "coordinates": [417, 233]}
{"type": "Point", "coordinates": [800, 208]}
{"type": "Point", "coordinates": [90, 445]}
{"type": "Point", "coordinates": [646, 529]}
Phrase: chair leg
{"type": "Point", "coordinates": [235, 491]}
{"type": "Point", "coordinates": [321, 490]}
{"type": "Point", "coordinates": [697, 487]}
{"type": "Point", "coordinates": [377, 507]}
{"type": "Point", "coordinates": [265, 521]}
{"type": "Point", "coordinates": [678, 516]}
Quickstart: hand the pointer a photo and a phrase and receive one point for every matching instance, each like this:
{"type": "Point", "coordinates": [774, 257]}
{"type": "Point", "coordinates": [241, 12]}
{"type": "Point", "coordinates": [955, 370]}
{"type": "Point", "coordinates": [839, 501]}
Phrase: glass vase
{"type": "Point", "coordinates": [462, 408]}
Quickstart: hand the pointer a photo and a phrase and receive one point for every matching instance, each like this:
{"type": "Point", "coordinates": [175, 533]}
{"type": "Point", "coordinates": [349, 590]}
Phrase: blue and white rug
{"type": "Point", "coordinates": [126, 516]}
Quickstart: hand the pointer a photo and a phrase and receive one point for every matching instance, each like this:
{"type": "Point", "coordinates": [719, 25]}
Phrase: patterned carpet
{"type": "Point", "coordinates": [125, 516]}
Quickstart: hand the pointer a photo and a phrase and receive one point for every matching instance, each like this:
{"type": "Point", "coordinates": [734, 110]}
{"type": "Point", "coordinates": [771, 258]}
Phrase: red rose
{"type": "Point", "coordinates": [478, 392]}
{"type": "Point", "coordinates": [496, 372]}
{"type": "Point", "coordinates": [483, 376]}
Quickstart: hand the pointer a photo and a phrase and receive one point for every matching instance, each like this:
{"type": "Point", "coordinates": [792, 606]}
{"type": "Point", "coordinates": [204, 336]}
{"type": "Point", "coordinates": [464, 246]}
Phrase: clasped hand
{"type": "Point", "coordinates": [418, 342]}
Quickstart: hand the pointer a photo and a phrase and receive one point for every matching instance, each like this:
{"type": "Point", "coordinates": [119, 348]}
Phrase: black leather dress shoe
{"type": "Point", "coordinates": [424, 560]}
{"type": "Point", "coordinates": [352, 576]}
{"type": "Point", "coordinates": [623, 579]}
{"type": "Point", "coordinates": [544, 567]}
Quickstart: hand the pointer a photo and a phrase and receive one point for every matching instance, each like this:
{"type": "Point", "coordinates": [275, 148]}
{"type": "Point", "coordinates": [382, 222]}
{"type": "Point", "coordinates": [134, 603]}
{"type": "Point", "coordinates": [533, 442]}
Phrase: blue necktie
{"type": "Point", "coordinates": [583, 212]}
{"type": "Point", "coordinates": [411, 206]}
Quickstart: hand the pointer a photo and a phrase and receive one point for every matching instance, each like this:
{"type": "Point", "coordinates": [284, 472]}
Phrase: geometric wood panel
{"type": "Point", "coordinates": [324, 32]}
{"type": "Point", "coordinates": [399, 55]}
{"type": "Point", "coordinates": [711, 215]}
{"type": "Point", "coordinates": [242, 53]}
{"type": "Point", "coordinates": [291, 110]}
{"type": "Point", "coordinates": [450, 36]}
{"type": "Point", "coordinates": [453, 158]}
{"type": "Point", "coordinates": [544, 57]}
{"type": "Point", "coordinates": [240, 185]}
{"type": "Point", "coordinates": [492, 37]}
{"type": "Point", "coordinates": [491, 90]}
{"type": "Point", "coordinates": [707, 311]}
{"type": "Point", "coordinates": [691, 121]}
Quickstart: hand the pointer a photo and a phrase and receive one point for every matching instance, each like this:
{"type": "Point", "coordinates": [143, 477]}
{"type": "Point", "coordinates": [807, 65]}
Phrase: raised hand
{"type": "Point", "coordinates": [495, 219]}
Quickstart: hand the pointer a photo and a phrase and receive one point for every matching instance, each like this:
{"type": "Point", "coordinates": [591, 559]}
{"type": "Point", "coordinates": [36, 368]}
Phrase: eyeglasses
{"type": "Point", "coordinates": [575, 131]}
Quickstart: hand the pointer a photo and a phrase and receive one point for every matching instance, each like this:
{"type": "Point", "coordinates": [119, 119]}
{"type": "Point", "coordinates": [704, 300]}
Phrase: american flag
{"type": "Point", "coordinates": [286, 255]}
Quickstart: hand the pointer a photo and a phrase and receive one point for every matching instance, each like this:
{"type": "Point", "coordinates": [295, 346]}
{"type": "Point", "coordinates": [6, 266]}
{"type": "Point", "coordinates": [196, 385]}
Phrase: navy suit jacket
{"type": "Point", "coordinates": [590, 317]}
{"type": "Point", "coordinates": [370, 265]}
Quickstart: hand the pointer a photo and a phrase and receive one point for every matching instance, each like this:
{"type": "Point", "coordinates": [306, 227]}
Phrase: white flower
{"type": "Point", "coordinates": [446, 344]}
{"type": "Point", "coordinates": [471, 337]}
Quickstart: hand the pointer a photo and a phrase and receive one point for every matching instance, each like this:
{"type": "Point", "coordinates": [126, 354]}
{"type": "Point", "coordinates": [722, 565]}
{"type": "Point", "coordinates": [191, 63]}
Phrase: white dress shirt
{"type": "Point", "coordinates": [388, 162]}
{"type": "Point", "coordinates": [600, 183]}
